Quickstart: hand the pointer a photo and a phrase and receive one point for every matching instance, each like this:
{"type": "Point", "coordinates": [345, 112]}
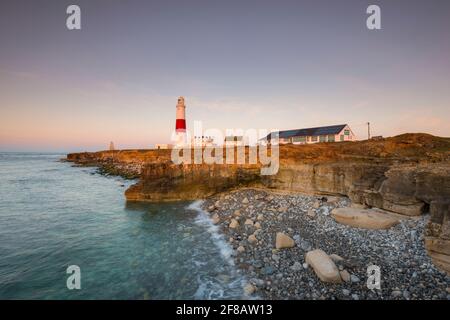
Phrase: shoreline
{"type": "Point", "coordinates": [405, 178]}
{"type": "Point", "coordinates": [271, 273]}
{"type": "Point", "coordinates": [407, 271]}
{"type": "Point", "coordinates": [219, 240]}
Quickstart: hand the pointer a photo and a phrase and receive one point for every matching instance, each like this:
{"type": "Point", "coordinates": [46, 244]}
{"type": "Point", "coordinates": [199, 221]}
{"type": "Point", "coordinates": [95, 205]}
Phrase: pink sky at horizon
{"type": "Point", "coordinates": [296, 65]}
{"type": "Point", "coordinates": [137, 122]}
{"type": "Point", "coordinates": [55, 118]}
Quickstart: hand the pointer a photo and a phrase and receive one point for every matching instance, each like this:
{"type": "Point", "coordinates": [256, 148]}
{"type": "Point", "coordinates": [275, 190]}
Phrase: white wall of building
{"type": "Point", "coordinates": [346, 134]}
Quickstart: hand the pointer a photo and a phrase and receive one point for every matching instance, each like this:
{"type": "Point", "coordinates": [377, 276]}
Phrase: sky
{"type": "Point", "coordinates": [239, 64]}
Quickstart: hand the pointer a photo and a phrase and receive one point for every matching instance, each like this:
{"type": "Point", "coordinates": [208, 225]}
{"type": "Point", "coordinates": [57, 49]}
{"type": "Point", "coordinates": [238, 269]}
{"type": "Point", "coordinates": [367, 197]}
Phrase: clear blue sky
{"type": "Point", "coordinates": [239, 64]}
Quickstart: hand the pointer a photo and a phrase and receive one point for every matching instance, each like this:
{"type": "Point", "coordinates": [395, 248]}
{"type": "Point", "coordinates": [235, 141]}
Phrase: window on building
{"type": "Point", "coordinates": [314, 139]}
{"type": "Point", "coordinates": [299, 139]}
{"type": "Point", "coordinates": [322, 138]}
{"type": "Point", "coordinates": [341, 137]}
{"type": "Point", "coordinates": [331, 138]}
{"type": "Point", "coordinates": [347, 132]}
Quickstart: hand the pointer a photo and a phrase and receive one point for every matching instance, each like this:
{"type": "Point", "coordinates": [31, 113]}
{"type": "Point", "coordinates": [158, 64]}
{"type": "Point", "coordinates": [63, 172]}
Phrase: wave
{"type": "Point", "coordinates": [203, 219]}
{"type": "Point", "coordinates": [215, 289]}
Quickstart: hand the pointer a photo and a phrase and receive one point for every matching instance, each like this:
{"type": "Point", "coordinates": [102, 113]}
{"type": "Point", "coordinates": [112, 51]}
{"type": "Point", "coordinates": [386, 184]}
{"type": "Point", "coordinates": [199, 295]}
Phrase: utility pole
{"type": "Point", "coordinates": [368, 130]}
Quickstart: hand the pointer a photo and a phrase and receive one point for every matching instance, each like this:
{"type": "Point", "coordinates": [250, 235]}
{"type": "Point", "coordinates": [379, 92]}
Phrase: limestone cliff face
{"type": "Point", "coordinates": [405, 189]}
{"type": "Point", "coordinates": [437, 235]}
{"type": "Point", "coordinates": [334, 178]}
{"type": "Point", "coordinates": [127, 163]}
{"type": "Point", "coordinates": [434, 187]}
{"type": "Point", "coordinates": [412, 189]}
{"type": "Point", "coordinates": [167, 182]}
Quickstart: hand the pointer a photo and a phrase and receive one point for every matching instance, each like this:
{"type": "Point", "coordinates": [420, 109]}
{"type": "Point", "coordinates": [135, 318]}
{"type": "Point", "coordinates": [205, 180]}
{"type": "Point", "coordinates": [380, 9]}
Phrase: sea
{"type": "Point", "coordinates": [67, 232]}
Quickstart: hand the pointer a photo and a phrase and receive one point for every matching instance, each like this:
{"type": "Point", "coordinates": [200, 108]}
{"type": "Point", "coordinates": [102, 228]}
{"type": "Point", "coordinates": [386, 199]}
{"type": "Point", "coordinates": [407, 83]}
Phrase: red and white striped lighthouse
{"type": "Point", "coordinates": [180, 124]}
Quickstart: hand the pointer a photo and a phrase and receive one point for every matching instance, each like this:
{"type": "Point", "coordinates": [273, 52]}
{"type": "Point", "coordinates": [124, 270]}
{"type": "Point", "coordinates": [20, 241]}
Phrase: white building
{"type": "Point", "coordinates": [336, 133]}
{"type": "Point", "coordinates": [202, 141]}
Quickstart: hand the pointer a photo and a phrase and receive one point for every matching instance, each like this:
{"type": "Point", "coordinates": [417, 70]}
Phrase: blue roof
{"type": "Point", "coordinates": [317, 131]}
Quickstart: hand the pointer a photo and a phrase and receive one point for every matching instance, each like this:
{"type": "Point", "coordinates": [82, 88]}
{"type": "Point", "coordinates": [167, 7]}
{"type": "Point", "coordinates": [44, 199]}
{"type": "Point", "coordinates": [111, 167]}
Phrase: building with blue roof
{"type": "Point", "coordinates": [335, 133]}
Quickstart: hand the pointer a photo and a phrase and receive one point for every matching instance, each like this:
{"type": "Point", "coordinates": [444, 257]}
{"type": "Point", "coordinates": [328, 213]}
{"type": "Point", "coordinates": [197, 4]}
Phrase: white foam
{"type": "Point", "coordinates": [210, 289]}
{"type": "Point", "coordinates": [199, 263]}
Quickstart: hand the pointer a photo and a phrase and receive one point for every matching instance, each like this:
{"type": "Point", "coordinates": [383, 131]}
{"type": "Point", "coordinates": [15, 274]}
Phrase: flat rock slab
{"type": "Point", "coordinates": [323, 266]}
{"type": "Point", "coordinates": [364, 218]}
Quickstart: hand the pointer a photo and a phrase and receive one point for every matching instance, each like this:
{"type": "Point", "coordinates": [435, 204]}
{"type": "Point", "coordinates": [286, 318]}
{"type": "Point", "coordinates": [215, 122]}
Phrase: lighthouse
{"type": "Point", "coordinates": [180, 124]}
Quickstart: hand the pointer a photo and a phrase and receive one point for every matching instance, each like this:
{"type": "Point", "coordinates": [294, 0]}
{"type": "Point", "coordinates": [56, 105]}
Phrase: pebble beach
{"type": "Point", "coordinates": [250, 220]}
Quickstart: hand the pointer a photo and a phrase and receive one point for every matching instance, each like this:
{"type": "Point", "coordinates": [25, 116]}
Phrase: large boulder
{"type": "Point", "coordinates": [323, 266]}
{"type": "Point", "coordinates": [364, 218]}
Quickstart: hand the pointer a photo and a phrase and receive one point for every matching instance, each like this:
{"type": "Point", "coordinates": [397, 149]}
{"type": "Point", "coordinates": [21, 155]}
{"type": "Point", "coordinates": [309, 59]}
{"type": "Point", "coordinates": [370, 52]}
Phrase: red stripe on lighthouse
{"type": "Point", "coordinates": [180, 125]}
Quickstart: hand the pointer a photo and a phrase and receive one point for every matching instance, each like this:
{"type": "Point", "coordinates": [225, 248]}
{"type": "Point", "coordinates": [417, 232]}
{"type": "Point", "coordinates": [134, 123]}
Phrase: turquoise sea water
{"type": "Point", "coordinates": [53, 215]}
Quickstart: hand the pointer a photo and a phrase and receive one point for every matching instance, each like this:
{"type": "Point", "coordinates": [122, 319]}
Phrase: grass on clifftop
{"type": "Point", "coordinates": [404, 147]}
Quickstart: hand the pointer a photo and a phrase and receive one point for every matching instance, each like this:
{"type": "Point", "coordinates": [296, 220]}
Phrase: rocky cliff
{"type": "Point", "coordinates": [407, 174]}
{"type": "Point", "coordinates": [164, 181]}
{"type": "Point", "coordinates": [126, 163]}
